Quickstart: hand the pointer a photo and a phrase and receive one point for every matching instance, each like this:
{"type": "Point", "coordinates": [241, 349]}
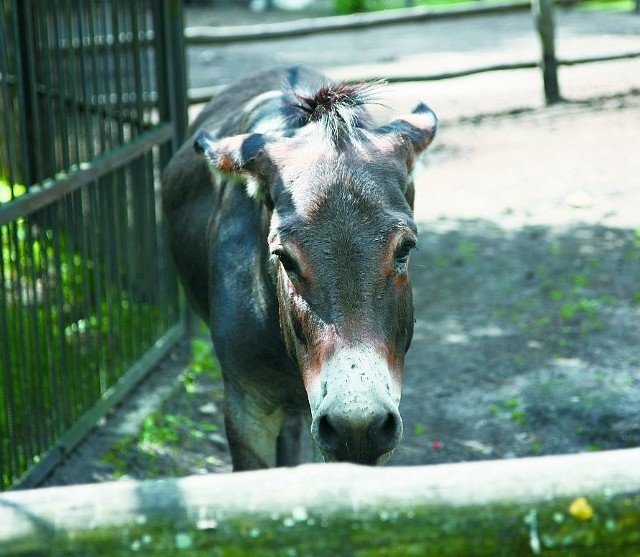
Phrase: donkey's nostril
{"type": "Point", "coordinates": [326, 435]}
{"type": "Point", "coordinates": [391, 429]}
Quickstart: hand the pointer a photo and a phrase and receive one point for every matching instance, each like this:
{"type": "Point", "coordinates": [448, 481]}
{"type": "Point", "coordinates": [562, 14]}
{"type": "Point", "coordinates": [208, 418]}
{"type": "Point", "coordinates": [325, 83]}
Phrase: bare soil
{"type": "Point", "coordinates": [527, 278]}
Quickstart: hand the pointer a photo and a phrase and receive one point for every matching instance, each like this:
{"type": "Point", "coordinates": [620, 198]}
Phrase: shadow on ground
{"type": "Point", "coordinates": [526, 342]}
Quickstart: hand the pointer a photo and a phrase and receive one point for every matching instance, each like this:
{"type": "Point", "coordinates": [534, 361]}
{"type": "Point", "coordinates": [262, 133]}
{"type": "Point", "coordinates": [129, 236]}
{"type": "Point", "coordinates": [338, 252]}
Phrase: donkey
{"type": "Point", "coordinates": [290, 222]}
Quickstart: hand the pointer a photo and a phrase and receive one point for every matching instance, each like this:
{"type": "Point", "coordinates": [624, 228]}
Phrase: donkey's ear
{"type": "Point", "coordinates": [239, 153]}
{"type": "Point", "coordinates": [419, 127]}
{"type": "Point", "coordinates": [242, 154]}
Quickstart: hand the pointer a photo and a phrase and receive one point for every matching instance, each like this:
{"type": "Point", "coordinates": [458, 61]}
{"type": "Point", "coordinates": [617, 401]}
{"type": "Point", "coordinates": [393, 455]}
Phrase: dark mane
{"type": "Point", "coordinates": [338, 107]}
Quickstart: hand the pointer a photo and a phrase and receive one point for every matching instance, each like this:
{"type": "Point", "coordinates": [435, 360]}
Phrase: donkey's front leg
{"type": "Point", "coordinates": [253, 426]}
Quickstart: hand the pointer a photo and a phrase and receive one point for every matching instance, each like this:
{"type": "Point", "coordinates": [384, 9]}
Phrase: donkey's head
{"type": "Point", "coordinates": [339, 192]}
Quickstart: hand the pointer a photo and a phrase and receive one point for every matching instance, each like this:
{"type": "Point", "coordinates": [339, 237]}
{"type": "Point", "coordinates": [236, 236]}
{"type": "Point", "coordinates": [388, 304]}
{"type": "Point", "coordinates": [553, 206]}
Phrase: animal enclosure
{"type": "Point", "coordinates": [91, 107]}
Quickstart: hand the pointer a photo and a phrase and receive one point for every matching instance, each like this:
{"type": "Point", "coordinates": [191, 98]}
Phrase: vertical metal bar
{"type": "Point", "coordinates": [48, 316]}
{"type": "Point", "coordinates": [170, 75]}
{"type": "Point", "coordinates": [106, 73]}
{"type": "Point", "coordinates": [70, 94]}
{"type": "Point", "coordinates": [118, 71]}
{"type": "Point", "coordinates": [62, 135]}
{"type": "Point", "coordinates": [21, 20]}
{"type": "Point", "coordinates": [84, 85]}
{"type": "Point", "coordinates": [47, 51]}
{"type": "Point", "coordinates": [18, 364]}
{"type": "Point", "coordinates": [72, 297]}
{"type": "Point", "coordinates": [133, 270]}
{"type": "Point", "coordinates": [149, 62]}
{"type": "Point", "coordinates": [9, 118]}
{"type": "Point", "coordinates": [109, 302]}
{"type": "Point", "coordinates": [63, 363]}
{"type": "Point", "coordinates": [119, 208]}
{"type": "Point", "coordinates": [31, 342]}
{"type": "Point", "coordinates": [10, 450]}
{"type": "Point", "coordinates": [98, 296]}
{"type": "Point", "coordinates": [171, 86]}
{"type": "Point", "coordinates": [97, 98]}
{"type": "Point", "coordinates": [31, 63]}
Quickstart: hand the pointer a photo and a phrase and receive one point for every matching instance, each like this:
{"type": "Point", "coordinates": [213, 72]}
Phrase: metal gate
{"type": "Point", "coordinates": [92, 104]}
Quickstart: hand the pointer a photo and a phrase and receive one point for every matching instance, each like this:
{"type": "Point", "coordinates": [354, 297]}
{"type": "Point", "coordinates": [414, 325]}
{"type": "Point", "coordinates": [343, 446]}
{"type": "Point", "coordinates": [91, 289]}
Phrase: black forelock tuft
{"type": "Point", "coordinates": [337, 106]}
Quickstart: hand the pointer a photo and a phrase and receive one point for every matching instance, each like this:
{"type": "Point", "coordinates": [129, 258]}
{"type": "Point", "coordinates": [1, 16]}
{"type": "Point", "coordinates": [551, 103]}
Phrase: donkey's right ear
{"type": "Point", "coordinates": [239, 153]}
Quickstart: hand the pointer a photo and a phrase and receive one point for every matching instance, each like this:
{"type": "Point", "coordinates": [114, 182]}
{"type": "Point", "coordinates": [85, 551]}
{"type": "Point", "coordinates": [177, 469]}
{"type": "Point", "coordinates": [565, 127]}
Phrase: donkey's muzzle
{"type": "Point", "coordinates": [362, 437]}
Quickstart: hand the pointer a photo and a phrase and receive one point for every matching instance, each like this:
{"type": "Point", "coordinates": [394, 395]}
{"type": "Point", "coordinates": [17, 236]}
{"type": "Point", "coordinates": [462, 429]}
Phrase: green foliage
{"type": "Point", "coordinates": [203, 363]}
{"type": "Point", "coordinates": [509, 409]}
{"type": "Point", "coordinates": [169, 434]}
{"type": "Point", "coordinates": [606, 5]}
{"type": "Point", "coordinates": [349, 6]}
{"type": "Point", "coordinates": [203, 360]}
{"type": "Point", "coordinates": [9, 192]}
{"type": "Point", "coordinates": [358, 6]}
{"type": "Point", "coordinates": [71, 324]}
{"type": "Point", "coordinates": [468, 251]}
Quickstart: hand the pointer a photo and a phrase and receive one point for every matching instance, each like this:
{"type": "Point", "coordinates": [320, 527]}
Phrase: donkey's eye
{"type": "Point", "coordinates": [402, 255]}
{"type": "Point", "coordinates": [288, 263]}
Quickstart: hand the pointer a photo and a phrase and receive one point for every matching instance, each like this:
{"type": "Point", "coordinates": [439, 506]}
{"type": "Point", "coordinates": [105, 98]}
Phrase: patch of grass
{"type": "Point", "coordinates": [537, 446]}
{"type": "Point", "coordinates": [170, 440]}
{"type": "Point", "coordinates": [468, 250]}
{"type": "Point", "coordinates": [203, 359]}
{"type": "Point", "coordinates": [606, 5]}
{"type": "Point", "coordinates": [518, 417]}
{"type": "Point", "coordinates": [509, 409]}
{"type": "Point", "coordinates": [203, 363]}
{"type": "Point", "coordinates": [162, 438]}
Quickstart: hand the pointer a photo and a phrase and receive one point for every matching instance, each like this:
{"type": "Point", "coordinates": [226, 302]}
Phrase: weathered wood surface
{"type": "Point", "coordinates": [201, 95]}
{"type": "Point", "coordinates": [543, 16]}
{"type": "Point", "coordinates": [587, 504]}
{"type": "Point", "coordinates": [201, 35]}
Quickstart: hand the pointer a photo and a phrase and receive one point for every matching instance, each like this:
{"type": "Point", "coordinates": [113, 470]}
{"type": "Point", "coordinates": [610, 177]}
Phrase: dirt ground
{"type": "Point", "coordinates": [527, 278]}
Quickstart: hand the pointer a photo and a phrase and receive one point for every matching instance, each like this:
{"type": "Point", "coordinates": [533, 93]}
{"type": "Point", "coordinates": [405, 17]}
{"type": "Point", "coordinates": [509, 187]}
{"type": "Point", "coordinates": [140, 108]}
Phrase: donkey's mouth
{"type": "Point", "coordinates": [364, 460]}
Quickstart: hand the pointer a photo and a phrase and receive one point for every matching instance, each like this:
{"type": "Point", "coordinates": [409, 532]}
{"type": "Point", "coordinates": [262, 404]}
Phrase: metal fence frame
{"type": "Point", "coordinates": [92, 105]}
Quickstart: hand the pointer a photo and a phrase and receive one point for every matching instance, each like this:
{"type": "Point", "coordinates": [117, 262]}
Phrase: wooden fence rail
{"type": "Point", "coordinates": [204, 35]}
{"type": "Point", "coordinates": [585, 504]}
{"type": "Point", "coordinates": [542, 13]}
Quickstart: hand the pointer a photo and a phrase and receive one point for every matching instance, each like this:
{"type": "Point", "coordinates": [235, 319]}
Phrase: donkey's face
{"type": "Point", "coordinates": [340, 237]}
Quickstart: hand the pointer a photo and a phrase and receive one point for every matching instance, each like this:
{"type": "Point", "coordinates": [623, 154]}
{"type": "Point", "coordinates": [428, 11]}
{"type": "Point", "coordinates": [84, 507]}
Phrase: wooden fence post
{"type": "Point", "coordinates": [543, 17]}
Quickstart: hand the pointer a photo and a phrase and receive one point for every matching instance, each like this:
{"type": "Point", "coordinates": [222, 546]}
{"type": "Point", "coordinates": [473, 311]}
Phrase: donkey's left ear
{"type": "Point", "coordinates": [419, 127]}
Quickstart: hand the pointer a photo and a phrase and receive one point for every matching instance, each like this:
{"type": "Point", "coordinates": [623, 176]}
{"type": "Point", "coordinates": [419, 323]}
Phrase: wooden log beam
{"type": "Point", "coordinates": [205, 35]}
{"type": "Point", "coordinates": [585, 504]}
{"type": "Point", "coordinates": [202, 95]}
